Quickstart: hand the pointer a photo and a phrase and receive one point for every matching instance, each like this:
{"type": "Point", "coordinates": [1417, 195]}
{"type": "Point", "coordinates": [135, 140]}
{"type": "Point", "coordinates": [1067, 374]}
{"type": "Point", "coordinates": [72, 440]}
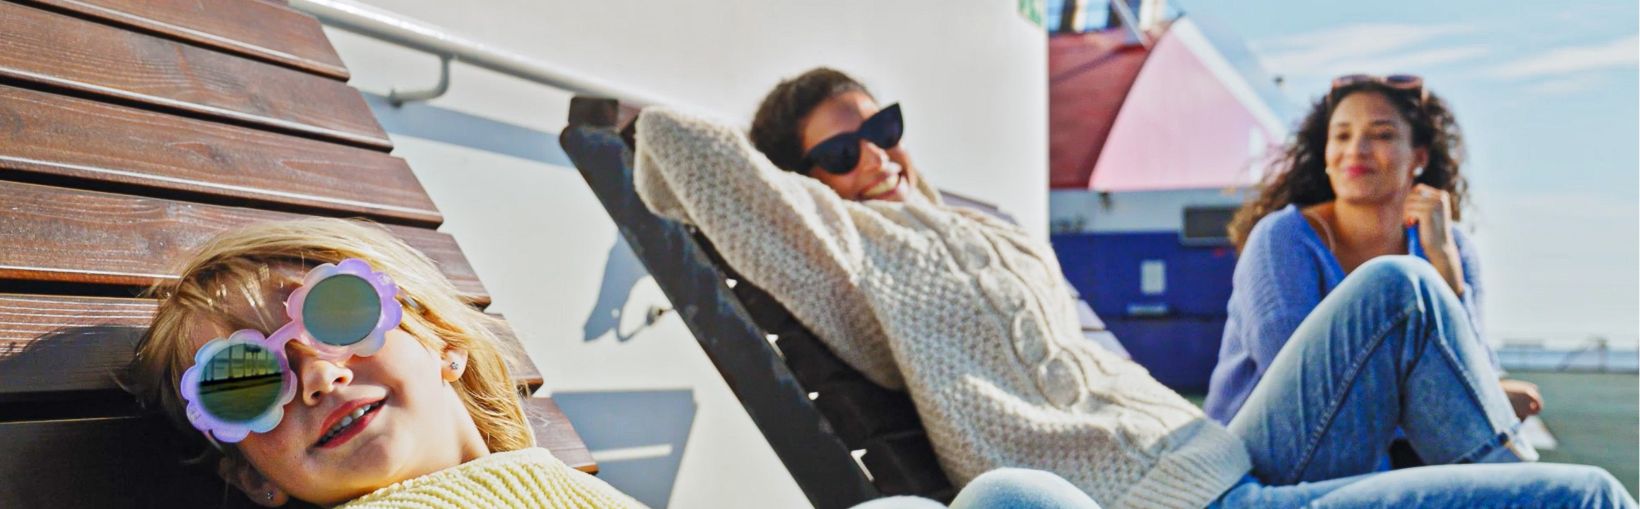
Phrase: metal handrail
{"type": "Point", "coordinates": [388, 26]}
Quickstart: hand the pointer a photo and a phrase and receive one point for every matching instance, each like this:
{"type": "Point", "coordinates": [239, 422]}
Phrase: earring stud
{"type": "Point", "coordinates": [455, 365]}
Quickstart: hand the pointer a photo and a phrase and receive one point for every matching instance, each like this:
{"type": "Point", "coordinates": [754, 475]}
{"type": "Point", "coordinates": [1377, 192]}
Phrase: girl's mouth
{"type": "Point", "coordinates": [349, 426]}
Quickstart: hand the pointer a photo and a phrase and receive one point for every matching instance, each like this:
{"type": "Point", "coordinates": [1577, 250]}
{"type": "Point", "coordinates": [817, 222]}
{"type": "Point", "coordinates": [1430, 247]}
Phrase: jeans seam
{"type": "Point", "coordinates": [1337, 401]}
{"type": "Point", "coordinates": [1469, 389]}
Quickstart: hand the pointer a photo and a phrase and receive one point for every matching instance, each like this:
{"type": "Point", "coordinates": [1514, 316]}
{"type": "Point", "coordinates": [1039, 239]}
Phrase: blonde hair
{"type": "Point", "coordinates": [235, 265]}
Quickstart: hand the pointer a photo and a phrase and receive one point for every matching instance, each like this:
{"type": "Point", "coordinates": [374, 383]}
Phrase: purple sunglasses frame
{"type": "Point", "coordinates": [223, 430]}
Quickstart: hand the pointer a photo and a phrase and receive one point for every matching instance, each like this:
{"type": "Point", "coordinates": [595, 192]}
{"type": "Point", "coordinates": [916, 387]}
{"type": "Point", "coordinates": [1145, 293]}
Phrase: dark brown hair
{"type": "Point", "coordinates": [1299, 173]}
{"type": "Point", "coordinates": [776, 128]}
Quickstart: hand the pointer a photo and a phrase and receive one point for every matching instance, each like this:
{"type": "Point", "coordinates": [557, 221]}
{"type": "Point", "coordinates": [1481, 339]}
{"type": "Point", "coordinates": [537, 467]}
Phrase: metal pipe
{"type": "Point", "coordinates": [388, 26]}
{"type": "Point", "coordinates": [398, 97]}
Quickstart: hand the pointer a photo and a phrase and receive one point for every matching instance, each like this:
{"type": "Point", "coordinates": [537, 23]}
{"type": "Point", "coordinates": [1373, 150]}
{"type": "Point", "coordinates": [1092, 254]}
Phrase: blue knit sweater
{"type": "Point", "coordinates": [1283, 272]}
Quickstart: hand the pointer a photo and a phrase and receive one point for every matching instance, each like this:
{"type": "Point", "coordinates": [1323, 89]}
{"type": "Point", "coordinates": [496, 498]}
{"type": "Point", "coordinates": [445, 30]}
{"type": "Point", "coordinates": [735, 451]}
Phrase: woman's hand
{"type": "Point", "coordinates": [1431, 210]}
{"type": "Point", "coordinates": [1523, 396]}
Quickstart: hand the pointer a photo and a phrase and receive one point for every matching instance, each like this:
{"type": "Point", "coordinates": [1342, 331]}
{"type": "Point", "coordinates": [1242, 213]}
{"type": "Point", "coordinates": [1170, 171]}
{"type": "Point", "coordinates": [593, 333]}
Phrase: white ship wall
{"type": "Point", "coordinates": [1082, 211]}
{"type": "Point", "coordinates": [662, 423]}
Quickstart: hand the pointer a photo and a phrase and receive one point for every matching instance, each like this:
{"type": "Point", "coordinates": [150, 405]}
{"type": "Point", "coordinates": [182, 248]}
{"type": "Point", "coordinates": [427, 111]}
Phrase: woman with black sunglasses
{"type": "Point", "coordinates": [1373, 171]}
{"type": "Point", "coordinates": [827, 126]}
{"type": "Point", "coordinates": [972, 317]}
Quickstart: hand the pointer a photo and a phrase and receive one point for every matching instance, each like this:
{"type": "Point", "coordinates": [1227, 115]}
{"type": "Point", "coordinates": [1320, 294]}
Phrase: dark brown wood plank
{"type": "Point", "coordinates": [52, 344]}
{"type": "Point", "coordinates": [260, 30]}
{"type": "Point", "coordinates": [56, 136]}
{"type": "Point", "coordinates": [76, 236]}
{"type": "Point", "coordinates": [69, 53]}
{"type": "Point", "coordinates": [554, 432]}
{"type": "Point", "coordinates": [99, 462]}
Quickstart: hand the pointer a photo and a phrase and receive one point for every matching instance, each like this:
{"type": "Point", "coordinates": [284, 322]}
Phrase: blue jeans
{"type": "Point", "coordinates": [1003, 488]}
{"type": "Point", "coordinates": [1391, 347]}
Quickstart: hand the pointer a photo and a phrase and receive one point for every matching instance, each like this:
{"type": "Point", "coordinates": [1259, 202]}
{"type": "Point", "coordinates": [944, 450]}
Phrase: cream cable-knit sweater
{"type": "Point", "coordinates": [967, 313]}
{"type": "Point", "coordinates": [525, 478]}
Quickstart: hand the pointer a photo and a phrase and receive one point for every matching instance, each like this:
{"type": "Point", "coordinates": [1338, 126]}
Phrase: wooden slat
{"type": "Point", "coordinates": [259, 30]}
{"type": "Point", "coordinates": [51, 344]}
{"type": "Point", "coordinates": [69, 235]}
{"type": "Point", "coordinates": [61, 51]}
{"type": "Point", "coordinates": [55, 136]}
{"type": "Point", "coordinates": [134, 462]}
{"type": "Point", "coordinates": [554, 432]}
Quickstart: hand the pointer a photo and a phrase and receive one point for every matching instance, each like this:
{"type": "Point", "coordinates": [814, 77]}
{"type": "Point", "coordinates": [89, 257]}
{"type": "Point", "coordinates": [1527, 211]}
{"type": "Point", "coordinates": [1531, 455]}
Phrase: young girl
{"type": "Point", "coordinates": [325, 361]}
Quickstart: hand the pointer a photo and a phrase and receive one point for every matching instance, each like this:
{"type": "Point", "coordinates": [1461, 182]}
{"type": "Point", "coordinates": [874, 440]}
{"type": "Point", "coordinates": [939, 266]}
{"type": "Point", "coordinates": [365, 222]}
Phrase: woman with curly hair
{"type": "Point", "coordinates": [1373, 171]}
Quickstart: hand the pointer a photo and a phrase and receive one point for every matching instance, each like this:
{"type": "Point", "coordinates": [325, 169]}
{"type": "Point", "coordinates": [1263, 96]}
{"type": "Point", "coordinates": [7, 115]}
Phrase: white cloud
{"type": "Point", "coordinates": [1408, 62]}
{"type": "Point", "coordinates": [1565, 86]}
{"type": "Point", "coordinates": [1324, 51]}
{"type": "Point", "coordinates": [1619, 53]}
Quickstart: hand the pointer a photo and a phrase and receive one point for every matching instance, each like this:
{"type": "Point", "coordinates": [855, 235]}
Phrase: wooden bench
{"type": "Point", "coordinates": [844, 439]}
{"type": "Point", "coordinates": [131, 131]}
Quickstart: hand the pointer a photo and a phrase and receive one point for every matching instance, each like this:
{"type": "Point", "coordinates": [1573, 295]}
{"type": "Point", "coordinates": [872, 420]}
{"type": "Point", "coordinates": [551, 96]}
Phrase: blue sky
{"type": "Point", "coordinates": [1546, 93]}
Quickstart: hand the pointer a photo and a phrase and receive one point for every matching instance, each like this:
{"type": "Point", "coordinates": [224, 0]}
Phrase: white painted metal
{"type": "Point", "coordinates": [398, 29]}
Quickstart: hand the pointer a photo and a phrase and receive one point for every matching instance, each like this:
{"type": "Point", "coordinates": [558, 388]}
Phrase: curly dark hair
{"type": "Point", "coordinates": [1300, 172]}
{"type": "Point", "coordinates": [776, 128]}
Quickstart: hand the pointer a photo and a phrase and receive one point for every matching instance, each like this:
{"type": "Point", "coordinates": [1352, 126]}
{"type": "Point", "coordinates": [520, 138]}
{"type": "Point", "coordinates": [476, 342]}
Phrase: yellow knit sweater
{"type": "Point", "coordinates": [525, 478]}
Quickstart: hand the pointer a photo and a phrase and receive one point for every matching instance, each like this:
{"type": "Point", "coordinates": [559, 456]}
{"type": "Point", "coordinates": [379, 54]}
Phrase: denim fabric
{"type": "Point", "coordinates": [1003, 488]}
{"type": "Point", "coordinates": [1392, 346]}
{"type": "Point", "coordinates": [1282, 274]}
{"type": "Point", "coordinates": [1018, 488]}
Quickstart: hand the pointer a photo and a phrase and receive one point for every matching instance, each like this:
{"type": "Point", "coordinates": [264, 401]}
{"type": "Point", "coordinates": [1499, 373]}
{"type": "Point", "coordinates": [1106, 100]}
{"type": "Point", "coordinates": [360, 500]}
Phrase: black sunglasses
{"type": "Point", "coordinates": [841, 153]}
{"type": "Point", "coordinates": [1407, 83]}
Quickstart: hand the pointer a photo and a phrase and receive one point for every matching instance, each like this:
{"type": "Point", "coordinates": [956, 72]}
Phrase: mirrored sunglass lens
{"type": "Point", "coordinates": [341, 310]}
{"type": "Point", "coordinates": [240, 382]}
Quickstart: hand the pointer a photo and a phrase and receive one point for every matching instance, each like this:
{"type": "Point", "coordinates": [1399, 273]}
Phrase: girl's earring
{"type": "Point", "coordinates": [1418, 172]}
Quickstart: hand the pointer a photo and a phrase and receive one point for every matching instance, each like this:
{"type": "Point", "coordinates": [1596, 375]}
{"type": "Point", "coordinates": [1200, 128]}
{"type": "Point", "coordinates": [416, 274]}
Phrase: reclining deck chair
{"type": "Point", "coordinates": [129, 133]}
{"type": "Point", "coordinates": [844, 439]}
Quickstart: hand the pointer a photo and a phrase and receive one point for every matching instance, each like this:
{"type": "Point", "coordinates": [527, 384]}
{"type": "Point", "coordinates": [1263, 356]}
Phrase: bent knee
{"type": "Point", "coordinates": [1586, 486]}
{"type": "Point", "coordinates": [1023, 489]}
{"type": "Point", "coordinates": [1397, 268]}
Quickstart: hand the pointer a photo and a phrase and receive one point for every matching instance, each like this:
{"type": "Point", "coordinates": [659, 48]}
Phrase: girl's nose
{"type": "Point", "coordinates": [320, 376]}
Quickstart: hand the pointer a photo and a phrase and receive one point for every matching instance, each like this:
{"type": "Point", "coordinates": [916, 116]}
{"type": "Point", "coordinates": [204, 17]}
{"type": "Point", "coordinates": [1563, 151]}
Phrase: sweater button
{"type": "Point", "coordinates": [1029, 342]}
{"type": "Point", "coordinates": [1059, 381]}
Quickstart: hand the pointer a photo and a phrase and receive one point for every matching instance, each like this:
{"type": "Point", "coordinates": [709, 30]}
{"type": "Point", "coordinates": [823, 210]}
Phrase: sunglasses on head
{"type": "Point", "coordinates": [240, 384]}
{"type": "Point", "coordinates": [841, 153]}
{"type": "Point", "coordinates": [1408, 83]}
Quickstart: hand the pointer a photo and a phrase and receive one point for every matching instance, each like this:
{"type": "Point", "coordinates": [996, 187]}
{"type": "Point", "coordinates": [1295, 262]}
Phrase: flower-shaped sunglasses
{"type": "Point", "coordinates": [240, 384]}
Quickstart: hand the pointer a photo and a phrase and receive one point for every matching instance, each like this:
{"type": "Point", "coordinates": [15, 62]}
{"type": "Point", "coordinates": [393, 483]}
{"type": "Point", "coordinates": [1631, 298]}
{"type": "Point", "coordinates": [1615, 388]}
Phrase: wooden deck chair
{"type": "Point", "coordinates": [844, 439]}
{"type": "Point", "coordinates": [131, 131]}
